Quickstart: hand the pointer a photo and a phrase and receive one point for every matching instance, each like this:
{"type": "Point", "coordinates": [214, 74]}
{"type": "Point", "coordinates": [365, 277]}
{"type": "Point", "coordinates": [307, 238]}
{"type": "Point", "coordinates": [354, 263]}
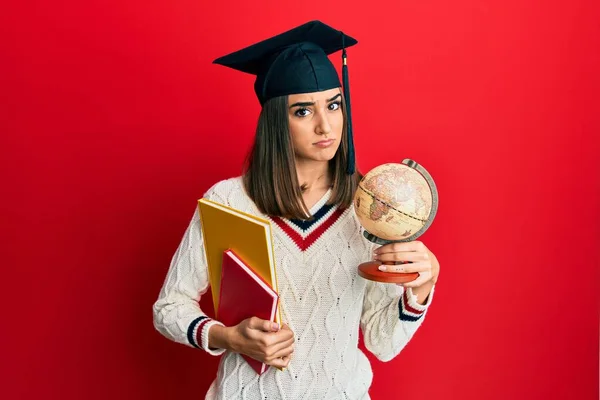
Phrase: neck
{"type": "Point", "coordinates": [313, 175]}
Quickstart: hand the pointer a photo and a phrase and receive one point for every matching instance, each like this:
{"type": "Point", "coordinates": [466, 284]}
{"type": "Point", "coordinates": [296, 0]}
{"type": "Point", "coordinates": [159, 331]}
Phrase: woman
{"type": "Point", "coordinates": [300, 175]}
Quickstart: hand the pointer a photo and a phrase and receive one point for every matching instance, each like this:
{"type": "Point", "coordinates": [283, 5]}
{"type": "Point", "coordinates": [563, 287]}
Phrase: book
{"type": "Point", "coordinates": [249, 236]}
{"type": "Point", "coordinates": [244, 295]}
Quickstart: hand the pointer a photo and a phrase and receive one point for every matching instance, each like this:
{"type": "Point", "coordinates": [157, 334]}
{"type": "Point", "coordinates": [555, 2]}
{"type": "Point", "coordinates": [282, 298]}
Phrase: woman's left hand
{"type": "Point", "coordinates": [421, 260]}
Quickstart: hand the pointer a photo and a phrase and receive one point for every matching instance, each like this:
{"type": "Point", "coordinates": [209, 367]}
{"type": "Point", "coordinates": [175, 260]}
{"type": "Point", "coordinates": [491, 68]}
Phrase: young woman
{"type": "Point", "coordinates": [300, 175]}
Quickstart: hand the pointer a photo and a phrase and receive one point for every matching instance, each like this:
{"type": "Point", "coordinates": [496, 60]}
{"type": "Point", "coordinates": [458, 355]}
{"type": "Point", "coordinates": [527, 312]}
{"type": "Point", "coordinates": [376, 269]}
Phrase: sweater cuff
{"type": "Point", "coordinates": [410, 309]}
{"type": "Point", "coordinates": [201, 336]}
{"type": "Point", "coordinates": [198, 334]}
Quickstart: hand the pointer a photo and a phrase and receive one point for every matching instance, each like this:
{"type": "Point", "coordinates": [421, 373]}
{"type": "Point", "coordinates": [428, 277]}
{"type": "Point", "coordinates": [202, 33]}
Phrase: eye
{"type": "Point", "coordinates": [334, 106]}
{"type": "Point", "coordinates": [302, 112]}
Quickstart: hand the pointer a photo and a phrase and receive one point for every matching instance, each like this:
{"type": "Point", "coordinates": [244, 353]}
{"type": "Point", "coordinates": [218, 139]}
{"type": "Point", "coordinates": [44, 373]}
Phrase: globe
{"type": "Point", "coordinates": [395, 203]}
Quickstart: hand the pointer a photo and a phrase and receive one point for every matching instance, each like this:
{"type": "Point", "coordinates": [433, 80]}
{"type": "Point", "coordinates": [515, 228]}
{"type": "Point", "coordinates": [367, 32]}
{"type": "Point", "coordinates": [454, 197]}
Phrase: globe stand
{"type": "Point", "coordinates": [370, 269]}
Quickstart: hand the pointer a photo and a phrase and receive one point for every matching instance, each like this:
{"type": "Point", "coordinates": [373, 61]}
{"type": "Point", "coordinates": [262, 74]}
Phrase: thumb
{"type": "Point", "coordinates": [265, 326]}
{"type": "Point", "coordinates": [271, 326]}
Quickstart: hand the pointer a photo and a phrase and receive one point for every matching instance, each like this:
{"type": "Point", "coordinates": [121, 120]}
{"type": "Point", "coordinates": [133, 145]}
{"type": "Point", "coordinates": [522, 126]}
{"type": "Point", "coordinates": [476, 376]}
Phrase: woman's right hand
{"type": "Point", "coordinates": [262, 340]}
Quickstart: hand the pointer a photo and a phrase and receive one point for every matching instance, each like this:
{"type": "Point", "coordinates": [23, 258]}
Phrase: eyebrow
{"type": "Point", "coordinates": [312, 103]}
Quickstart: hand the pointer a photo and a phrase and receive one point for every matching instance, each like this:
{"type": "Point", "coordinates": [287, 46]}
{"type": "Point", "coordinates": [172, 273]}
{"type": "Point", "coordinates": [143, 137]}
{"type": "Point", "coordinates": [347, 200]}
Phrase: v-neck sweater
{"type": "Point", "coordinates": [322, 299]}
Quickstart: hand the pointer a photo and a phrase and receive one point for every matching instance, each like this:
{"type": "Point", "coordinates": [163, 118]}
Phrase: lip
{"type": "Point", "coordinates": [325, 143]}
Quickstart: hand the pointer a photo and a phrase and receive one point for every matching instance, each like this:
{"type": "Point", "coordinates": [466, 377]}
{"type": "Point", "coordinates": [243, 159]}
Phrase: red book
{"type": "Point", "coordinates": [244, 295]}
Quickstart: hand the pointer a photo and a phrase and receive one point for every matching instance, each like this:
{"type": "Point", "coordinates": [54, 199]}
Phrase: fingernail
{"type": "Point", "coordinates": [275, 326]}
{"type": "Point", "coordinates": [382, 268]}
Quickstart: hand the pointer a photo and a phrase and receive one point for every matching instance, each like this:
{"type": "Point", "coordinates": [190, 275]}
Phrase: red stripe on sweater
{"type": "Point", "coordinates": [407, 307]}
{"type": "Point", "coordinates": [304, 244]}
{"type": "Point", "coordinates": [199, 332]}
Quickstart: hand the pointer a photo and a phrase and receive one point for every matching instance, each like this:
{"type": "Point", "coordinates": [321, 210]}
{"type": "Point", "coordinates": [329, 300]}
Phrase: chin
{"type": "Point", "coordinates": [326, 156]}
{"type": "Point", "coordinates": [329, 153]}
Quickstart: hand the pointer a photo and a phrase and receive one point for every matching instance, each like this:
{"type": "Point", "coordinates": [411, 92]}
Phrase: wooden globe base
{"type": "Point", "coordinates": [369, 270]}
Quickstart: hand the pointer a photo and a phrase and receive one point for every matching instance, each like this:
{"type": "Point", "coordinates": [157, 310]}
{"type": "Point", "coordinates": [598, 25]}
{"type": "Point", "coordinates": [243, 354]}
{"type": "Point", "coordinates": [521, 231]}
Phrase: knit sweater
{"type": "Point", "coordinates": [322, 299]}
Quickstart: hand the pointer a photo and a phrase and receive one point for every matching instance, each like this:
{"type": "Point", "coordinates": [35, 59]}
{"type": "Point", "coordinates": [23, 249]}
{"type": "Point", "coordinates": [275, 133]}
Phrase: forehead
{"type": "Point", "coordinates": [314, 96]}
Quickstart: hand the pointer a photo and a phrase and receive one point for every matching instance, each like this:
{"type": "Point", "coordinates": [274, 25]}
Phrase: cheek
{"type": "Point", "coordinates": [297, 133]}
{"type": "Point", "coordinates": [337, 122]}
{"type": "Point", "coordinates": [301, 128]}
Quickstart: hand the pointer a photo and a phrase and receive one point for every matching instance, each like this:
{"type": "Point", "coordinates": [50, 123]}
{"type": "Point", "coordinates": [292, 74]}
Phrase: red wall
{"type": "Point", "coordinates": [114, 122]}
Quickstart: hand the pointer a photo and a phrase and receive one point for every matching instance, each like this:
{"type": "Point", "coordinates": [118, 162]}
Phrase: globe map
{"type": "Point", "coordinates": [393, 201]}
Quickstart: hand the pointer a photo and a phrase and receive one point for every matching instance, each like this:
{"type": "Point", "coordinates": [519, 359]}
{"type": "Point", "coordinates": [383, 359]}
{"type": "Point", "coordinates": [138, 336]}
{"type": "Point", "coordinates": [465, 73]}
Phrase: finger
{"type": "Point", "coordinates": [415, 245]}
{"type": "Point", "coordinates": [284, 352]}
{"type": "Point", "coordinates": [422, 279]}
{"type": "Point", "coordinates": [263, 325]}
{"type": "Point", "coordinates": [406, 268]}
{"type": "Point", "coordinates": [412, 256]}
{"type": "Point", "coordinates": [285, 332]}
{"type": "Point", "coordinates": [286, 360]}
{"type": "Point", "coordinates": [279, 362]}
{"type": "Point", "coordinates": [269, 339]}
{"type": "Point", "coordinates": [276, 348]}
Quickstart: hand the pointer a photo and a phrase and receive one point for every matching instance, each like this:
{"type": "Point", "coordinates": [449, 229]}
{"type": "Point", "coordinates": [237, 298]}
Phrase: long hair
{"type": "Point", "coordinates": [270, 177]}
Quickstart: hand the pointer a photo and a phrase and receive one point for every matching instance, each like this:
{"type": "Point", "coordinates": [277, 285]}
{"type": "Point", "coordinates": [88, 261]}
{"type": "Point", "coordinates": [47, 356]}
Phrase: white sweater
{"type": "Point", "coordinates": [323, 300]}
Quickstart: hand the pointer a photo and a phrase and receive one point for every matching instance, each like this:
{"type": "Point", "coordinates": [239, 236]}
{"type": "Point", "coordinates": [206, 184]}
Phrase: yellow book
{"type": "Point", "coordinates": [247, 235]}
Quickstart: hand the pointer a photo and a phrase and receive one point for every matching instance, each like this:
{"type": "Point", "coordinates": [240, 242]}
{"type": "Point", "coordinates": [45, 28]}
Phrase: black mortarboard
{"type": "Point", "coordinates": [296, 62]}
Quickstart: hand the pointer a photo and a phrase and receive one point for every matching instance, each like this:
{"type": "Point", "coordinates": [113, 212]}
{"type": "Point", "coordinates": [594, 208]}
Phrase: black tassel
{"type": "Point", "coordinates": [351, 162]}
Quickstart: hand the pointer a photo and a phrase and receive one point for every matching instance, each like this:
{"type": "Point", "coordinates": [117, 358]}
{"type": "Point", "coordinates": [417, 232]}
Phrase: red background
{"type": "Point", "coordinates": [114, 122]}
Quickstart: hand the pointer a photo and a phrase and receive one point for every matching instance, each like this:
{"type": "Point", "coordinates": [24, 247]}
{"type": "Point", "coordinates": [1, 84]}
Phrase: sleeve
{"type": "Point", "coordinates": [177, 313]}
{"type": "Point", "coordinates": [390, 317]}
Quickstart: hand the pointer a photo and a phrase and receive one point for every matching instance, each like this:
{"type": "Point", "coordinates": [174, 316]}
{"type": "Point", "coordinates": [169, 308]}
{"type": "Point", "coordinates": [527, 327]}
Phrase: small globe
{"type": "Point", "coordinates": [395, 202]}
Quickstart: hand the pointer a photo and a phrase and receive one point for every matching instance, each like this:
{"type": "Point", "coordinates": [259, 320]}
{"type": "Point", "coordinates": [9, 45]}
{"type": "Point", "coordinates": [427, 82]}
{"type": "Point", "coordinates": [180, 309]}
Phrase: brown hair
{"type": "Point", "coordinates": [270, 177]}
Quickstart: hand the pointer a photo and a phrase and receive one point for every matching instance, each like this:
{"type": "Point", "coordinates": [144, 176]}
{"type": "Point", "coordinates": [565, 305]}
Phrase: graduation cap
{"type": "Point", "coordinates": [296, 62]}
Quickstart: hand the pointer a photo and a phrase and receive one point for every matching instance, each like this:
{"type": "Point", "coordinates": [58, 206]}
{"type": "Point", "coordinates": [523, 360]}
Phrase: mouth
{"type": "Point", "coordinates": [325, 143]}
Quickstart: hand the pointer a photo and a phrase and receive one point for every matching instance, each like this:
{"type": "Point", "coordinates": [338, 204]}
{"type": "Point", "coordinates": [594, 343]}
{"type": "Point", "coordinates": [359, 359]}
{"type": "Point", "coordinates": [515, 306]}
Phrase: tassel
{"type": "Point", "coordinates": [351, 161]}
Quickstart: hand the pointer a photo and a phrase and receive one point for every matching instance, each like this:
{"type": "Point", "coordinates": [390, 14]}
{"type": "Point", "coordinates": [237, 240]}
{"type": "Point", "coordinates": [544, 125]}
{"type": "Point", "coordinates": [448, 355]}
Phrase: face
{"type": "Point", "coordinates": [316, 124]}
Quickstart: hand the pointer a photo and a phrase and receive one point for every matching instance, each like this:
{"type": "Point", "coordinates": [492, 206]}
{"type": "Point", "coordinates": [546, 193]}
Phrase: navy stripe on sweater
{"type": "Point", "coordinates": [190, 331]}
{"type": "Point", "coordinates": [406, 317]}
{"type": "Point", "coordinates": [405, 308]}
{"type": "Point", "coordinates": [306, 224]}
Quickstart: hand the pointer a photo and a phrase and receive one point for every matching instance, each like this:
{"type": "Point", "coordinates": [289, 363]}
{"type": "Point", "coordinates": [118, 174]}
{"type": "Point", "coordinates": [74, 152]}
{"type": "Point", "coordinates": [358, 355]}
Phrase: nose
{"type": "Point", "coordinates": [323, 127]}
